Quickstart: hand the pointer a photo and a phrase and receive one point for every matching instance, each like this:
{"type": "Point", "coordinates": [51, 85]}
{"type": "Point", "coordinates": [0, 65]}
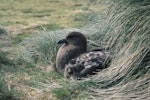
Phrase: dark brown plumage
{"type": "Point", "coordinates": [73, 45]}
{"type": "Point", "coordinates": [74, 60]}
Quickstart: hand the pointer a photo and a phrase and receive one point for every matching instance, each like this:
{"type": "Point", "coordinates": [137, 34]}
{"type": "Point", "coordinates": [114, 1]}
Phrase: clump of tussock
{"type": "Point", "coordinates": [37, 49]}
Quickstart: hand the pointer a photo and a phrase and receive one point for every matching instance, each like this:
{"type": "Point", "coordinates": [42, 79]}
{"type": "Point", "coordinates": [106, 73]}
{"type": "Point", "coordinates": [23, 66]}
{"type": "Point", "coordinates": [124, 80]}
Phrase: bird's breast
{"type": "Point", "coordinates": [65, 54]}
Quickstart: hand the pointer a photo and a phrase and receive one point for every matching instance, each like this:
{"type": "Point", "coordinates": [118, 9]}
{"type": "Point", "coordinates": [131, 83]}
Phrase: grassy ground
{"type": "Point", "coordinates": [21, 16]}
{"type": "Point", "coordinates": [27, 60]}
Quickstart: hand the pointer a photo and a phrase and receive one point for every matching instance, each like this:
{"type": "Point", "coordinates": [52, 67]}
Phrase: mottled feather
{"type": "Point", "coordinates": [86, 64]}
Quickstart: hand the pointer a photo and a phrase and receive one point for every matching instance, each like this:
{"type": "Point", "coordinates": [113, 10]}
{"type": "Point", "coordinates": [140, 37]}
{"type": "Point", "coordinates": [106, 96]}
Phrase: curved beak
{"type": "Point", "coordinates": [62, 41]}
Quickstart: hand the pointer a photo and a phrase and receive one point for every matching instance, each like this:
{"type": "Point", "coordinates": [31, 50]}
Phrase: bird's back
{"type": "Point", "coordinates": [87, 63]}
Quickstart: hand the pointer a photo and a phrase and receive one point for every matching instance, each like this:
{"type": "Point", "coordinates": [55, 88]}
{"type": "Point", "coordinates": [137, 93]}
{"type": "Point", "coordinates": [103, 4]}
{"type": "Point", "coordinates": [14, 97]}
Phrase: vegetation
{"type": "Point", "coordinates": [31, 16]}
{"type": "Point", "coordinates": [27, 61]}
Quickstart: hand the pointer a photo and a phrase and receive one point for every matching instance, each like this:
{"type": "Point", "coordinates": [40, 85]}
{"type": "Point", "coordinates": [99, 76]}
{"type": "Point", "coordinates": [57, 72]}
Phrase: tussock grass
{"type": "Point", "coordinates": [127, 33]}
{"type": "Point", "coordinates": [124, 28]}
{"type": "Point", "coordinates": [41, 48]}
